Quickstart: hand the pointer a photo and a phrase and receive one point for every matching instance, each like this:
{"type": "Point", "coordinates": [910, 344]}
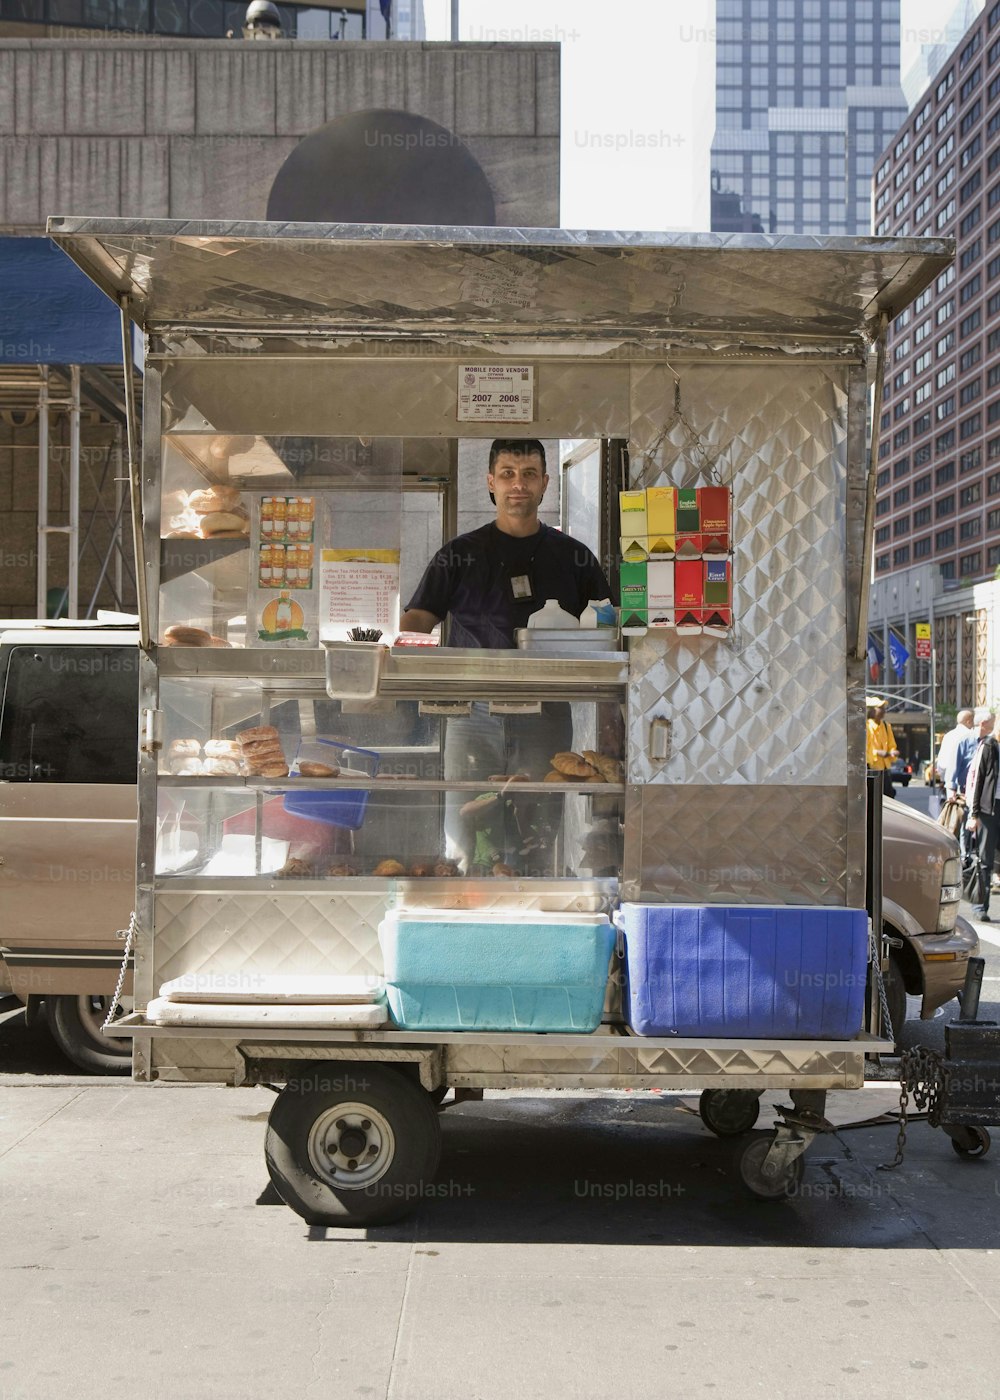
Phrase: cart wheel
{"type": "Point", "coordinates": [974, 1142]}
{"type": "Point", "coordinates": [729, 1112]}
{"type": "Point", "coordinates": [357, 1155]}
{"type": "Point", "coordinates": [750, 1154]}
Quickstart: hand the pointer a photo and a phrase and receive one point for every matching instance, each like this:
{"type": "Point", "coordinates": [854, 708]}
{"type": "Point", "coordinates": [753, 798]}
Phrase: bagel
{"type": "Point", "coordinates": [180, 635]}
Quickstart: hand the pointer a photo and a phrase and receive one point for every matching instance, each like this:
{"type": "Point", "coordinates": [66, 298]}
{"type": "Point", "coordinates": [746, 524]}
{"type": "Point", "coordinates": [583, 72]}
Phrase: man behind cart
{"type": "Point", "coordinates": [488, 582]}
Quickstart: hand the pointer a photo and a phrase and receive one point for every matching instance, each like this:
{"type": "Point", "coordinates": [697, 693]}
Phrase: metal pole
{"type": "Point", "coordinates": [861, 639]}
{"type": "Point", "coordinates": [135, 484]}
{"type": "Point", "coordinates": [116, 537]}
{"type": "Point", "coordinates": [42, 575]}
{"type": "Point", "coordinates": [454, 21]}
{"type": "Point", "coordinates": [73, 533]}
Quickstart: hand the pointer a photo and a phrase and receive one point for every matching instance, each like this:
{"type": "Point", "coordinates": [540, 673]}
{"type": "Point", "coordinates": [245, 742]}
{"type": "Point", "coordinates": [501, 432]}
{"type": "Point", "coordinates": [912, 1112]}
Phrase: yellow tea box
{"type": "Point", "coordinates": [661, 519]}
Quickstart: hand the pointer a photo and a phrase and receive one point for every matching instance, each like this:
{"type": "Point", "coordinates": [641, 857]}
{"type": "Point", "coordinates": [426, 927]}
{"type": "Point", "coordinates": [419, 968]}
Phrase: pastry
{"type": "Point", "coordinates": [341, 868]}
{"type": "Point", "coordinates": [317, 770]}
{"type": "Point", "coordinates": [421, 869]}
{"type": "Point", "coordinates": [572, 764]}
{"type": "Point", "coordinates": [445, 868]}
{"type": "Point", "coordinates": [501, 869]}
{"type": "Point", "coordinates": [295, 866]}
{"type": "Point", "coordinates": [223, 748]}
{"type": "Point", "coordinates": [184, 748]}
{"type": "Point", "coordinates": [389, 867]}
{"type": "Point", "coordinates": [180, 635]}
{"type": "Point", "coordinates": [555, 777]}
{"type": "Point", "coordinates": [609, 767]}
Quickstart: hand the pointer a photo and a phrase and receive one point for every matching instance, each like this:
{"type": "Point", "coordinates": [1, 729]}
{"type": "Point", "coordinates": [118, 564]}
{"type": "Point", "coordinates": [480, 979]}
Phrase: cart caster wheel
{"type": "Point", "coordinates": [729, 1112]}
{"type": "Point", "coordinates": [750, 1154]}
{"type": "Point", "coordinates": [356, 1155]}
{"type": "Point", "coordinates": [974, 1142]}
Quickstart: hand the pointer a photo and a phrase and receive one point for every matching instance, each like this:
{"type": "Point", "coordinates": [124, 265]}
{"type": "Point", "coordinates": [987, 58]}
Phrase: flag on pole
{"type": "Point", "coordinates": [898, 654]}
{"type": "Point", "coordinates": [875, 657]}
{"type": "Point", "coordinates": [386, 7]}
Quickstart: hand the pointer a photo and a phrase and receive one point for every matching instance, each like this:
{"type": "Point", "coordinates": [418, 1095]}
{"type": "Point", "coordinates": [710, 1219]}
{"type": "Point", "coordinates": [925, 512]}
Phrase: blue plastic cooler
{"type": "Point", "coordinates": [749, 971]}
{"type": "Point", "coordinates": [496, 970]}
{"type": "Point", "coordinates": [345, 806]}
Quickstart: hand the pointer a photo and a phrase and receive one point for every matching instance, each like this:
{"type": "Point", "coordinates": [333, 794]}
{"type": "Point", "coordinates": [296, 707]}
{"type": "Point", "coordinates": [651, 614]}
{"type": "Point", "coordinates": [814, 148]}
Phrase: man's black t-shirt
{"type": "Point", "coordinates": [470, 579]}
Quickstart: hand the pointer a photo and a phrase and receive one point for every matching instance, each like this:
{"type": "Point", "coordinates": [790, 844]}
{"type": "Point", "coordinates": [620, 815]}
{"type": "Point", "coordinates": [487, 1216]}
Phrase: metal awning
{"type": "Point", "coordinates": [270, 278]}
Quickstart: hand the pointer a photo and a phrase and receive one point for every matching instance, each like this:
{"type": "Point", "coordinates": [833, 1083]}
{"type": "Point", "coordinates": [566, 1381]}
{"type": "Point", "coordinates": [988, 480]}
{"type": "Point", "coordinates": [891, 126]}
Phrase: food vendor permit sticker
{"type": "Point", "coordinates": [496, 394]}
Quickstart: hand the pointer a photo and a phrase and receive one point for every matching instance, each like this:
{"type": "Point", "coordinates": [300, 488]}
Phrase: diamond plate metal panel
{"type": "Point", "coordinates": [293, 932]}
{"type": "Point", "coordinates": [768, 704]}
{"type": "Point", "coordinates": [738, 845]}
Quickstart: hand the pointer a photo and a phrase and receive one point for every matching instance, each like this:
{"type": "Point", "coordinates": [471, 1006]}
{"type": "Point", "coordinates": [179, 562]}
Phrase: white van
{"type": "Point", "coordinates": [68, 755]}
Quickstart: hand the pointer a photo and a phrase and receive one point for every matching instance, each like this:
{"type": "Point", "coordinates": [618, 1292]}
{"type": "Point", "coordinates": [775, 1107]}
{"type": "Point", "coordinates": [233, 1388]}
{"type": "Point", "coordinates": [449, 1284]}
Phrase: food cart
{"type": "Point", "coordinates": [312, 395]}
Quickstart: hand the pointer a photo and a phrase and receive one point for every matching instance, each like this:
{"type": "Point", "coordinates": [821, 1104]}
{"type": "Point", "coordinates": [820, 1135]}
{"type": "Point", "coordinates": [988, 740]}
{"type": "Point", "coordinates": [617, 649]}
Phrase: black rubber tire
{"type": "Point", "coordinates": [403, 1107]}
{"type": "Point", "coordinates": [895, 996]}
{"type": "Point", "coordinates": [438, 1095]}
{"type": "Point", "coordinates": [750, 1153]}
{"type": "Point", "coordinates": [729, 1112]}
{"type": "Point", "coordinates": [976, 1143]}
{"type": "Point", "coordinates": [74, 1024]}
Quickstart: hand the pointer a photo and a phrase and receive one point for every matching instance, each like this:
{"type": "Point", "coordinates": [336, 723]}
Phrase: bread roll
{"type": "Point", "coordinates": [222, 767]}
{"type": "Point", "coordinates": [184, 748]}
{"type": "Point", "coordinates": [255, 735]}
{"type": "Point", "coordinates": [445, 869]}
{"type": "Point", "coordinates": [214, 498]}
{"type": "Point", "coordinates": [389, 867]}
{"type": "Point", "coordinates": [317, 770]}
{"type": "Point", "coordinates": [222, 748]}
{"type": "Point", "coordinates": [271, 770]}
{"type": "Point", "coordinates": [180, 635]}
{"type": "Point", "coordinates": [224, 522]}
{"type": "Point", "coordinates": [186, 767]}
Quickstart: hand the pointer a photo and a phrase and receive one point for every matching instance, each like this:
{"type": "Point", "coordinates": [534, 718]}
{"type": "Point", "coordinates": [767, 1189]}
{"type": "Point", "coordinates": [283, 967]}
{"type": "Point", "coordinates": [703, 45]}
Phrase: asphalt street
{"type": "Point", "coordinates": [573, 1246]}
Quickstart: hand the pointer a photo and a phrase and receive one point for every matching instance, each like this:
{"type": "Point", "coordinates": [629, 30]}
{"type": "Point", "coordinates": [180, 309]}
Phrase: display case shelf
{"type": "Point", "coordinates": [383, 784]}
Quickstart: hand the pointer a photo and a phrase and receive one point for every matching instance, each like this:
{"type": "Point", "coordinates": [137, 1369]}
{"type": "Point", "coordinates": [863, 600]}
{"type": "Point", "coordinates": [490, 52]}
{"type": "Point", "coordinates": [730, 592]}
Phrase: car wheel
{"type": "Point", "coordinates": [75, 1024]}
{"type": "Point", "coordinates": [895, 996]}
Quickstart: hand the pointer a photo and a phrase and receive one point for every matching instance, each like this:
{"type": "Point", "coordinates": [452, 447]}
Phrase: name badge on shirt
{"type": "Point", "coordinates": [520, 586]}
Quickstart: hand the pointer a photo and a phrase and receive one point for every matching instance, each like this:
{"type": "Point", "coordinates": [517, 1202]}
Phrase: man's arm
{"type": "Point", "coordinates": [417, 620]}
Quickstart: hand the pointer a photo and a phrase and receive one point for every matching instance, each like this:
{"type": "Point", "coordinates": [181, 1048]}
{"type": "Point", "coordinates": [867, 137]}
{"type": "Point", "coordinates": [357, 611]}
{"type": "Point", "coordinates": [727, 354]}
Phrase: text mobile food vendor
{"type": "Point", "coordinates": [489, 581]}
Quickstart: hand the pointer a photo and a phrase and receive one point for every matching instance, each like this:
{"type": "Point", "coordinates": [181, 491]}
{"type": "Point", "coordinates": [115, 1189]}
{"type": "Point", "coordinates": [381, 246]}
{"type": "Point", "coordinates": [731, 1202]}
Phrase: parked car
{"type": "Point", "coordinates": [921, 890]}
{"type": "Point", "coordinates": [901, 772]}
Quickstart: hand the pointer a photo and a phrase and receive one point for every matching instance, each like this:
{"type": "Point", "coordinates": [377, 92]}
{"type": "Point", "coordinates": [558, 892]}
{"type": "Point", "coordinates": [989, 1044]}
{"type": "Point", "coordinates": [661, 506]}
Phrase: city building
{"type": "Point", "coordinates": [807, 93]}
{"type": "Point", "coordinates": [189, 19]}
{"type": "Point", "coordinates": [937, 44]}
{"type": "Point", "coordinates": [937, 525]}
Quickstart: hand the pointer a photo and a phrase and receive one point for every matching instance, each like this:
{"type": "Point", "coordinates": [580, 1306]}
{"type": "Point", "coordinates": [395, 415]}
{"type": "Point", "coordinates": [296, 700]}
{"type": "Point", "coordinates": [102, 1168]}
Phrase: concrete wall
{"type": "Point", "coordinates": [182, 128]}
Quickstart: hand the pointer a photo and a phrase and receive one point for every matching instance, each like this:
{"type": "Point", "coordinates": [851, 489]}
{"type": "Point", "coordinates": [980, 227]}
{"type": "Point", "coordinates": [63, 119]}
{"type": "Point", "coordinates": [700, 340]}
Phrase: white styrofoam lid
{"type": "Point", "coordinates": [244, 987]}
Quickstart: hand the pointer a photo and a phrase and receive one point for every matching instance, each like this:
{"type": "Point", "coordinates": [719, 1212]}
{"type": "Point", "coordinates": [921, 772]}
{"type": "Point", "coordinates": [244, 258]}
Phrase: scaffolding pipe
{"type": "Point", "coordinates": [135, 484]}
{"type": "Point", "coordinates": [41, 577]}
{"type": "Point", "coordinates": [73, 533]}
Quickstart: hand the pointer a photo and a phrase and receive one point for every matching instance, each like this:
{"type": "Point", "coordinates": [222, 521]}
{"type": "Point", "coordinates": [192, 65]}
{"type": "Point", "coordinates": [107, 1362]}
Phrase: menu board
{"type": "Point", "coordinates": [358, 588]}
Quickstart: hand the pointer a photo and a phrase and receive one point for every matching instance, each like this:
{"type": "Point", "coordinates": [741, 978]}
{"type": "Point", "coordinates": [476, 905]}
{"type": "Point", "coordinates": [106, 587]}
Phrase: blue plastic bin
{"type": "Point", "coordinates": [344, 806]}
{"type": "Point", "coordinates": [750, 972]}
{"type": "Point", "coordinates": [502, 970]}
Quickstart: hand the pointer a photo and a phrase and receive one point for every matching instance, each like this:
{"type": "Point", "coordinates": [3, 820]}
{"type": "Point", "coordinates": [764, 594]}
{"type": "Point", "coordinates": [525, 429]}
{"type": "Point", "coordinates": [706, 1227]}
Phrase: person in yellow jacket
{"type": "Point", "coordinates": [880, 742]}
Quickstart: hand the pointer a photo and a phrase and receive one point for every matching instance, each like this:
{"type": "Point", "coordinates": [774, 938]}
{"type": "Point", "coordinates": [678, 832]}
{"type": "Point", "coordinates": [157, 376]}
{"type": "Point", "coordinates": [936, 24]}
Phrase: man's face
{"type": "Point", "coordinates": [986, 726]}
{"type": "Point", "coordinates": [518, 482]}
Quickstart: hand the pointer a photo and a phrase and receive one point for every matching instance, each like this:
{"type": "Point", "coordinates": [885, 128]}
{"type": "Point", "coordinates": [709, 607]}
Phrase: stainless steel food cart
{"type": "Point", "coordinates": [327, 358]}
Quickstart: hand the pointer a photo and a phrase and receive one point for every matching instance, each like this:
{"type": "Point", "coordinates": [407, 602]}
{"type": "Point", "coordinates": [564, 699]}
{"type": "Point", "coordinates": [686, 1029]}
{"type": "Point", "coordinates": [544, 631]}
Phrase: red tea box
{"type": "Point", "coordinates": [688, 594]}
{"type": "Point", "coordinates": [713, 515]}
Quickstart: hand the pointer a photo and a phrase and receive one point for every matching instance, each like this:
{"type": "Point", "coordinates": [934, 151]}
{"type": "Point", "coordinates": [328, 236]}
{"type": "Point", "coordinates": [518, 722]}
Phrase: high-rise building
{"type": "Point", "coordinates": [937, 524]}
{"type": "Point", "coordinates": [807, 93]}
{"type": "Point", "coordinates": [937, 44]}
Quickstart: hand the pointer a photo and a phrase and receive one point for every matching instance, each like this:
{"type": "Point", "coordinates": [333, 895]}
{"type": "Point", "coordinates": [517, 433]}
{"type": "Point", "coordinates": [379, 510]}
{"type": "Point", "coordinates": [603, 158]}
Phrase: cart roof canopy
{"type": "Point", "coordinates": [293, 278]}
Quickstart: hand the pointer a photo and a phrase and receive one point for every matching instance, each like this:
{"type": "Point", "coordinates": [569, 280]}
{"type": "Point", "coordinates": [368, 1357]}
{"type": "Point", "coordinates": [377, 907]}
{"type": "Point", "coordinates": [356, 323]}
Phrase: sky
{"type": "Point", "coordinates": [638, 97]}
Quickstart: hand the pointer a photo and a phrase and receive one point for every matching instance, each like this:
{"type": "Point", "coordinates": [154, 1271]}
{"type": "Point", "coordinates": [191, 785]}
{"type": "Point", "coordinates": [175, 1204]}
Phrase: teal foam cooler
{"type": "Point", "coordinates": [501, 970]}
{"type": "Point", "coordinates": [746, 971]}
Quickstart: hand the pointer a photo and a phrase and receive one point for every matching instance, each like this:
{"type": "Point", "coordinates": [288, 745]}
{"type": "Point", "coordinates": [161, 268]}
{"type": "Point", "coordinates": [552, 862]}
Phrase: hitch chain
{"type": "Point", "coordinates": [129, 936]}
{"type": "Point", "coordinates": [921, 1074]}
